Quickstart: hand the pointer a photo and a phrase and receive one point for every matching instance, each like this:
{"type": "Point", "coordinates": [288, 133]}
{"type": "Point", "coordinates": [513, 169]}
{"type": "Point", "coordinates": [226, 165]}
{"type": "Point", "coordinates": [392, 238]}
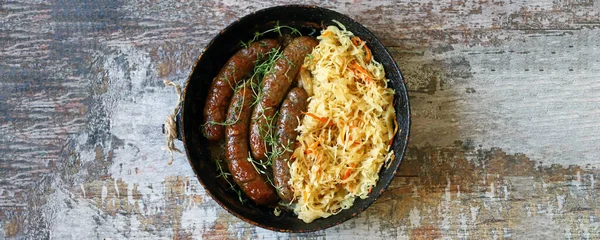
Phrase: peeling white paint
{"type": "Point", "coordinates": [2, 233]}
{"type": "Point", "coordinates": [142, 159]}
{"type": "Point", "coordinates": [82, 190]}
{"type": "Point", "coordinates": [506, 232]}
{"type": "Point", "coordinates": [494, 233]}
{"type": "Point", "coordinates": [199, 220]}
{"type": "Point", "coordinates": [261, 233]}
{"type": "Point", "coordinates": [578, 181]}
{"type": "Point", "coordinates": [550, 209]}
{"type": "Point", "coordinates": [447, 193]}
{"type": "Point", "coordinates": [415, 191]}
{"type": "Point", "coordinates": [79, 220]}
{"type": "Point", "coordinates": [130, 194]}
{"type": "Point", "coordinates": [560, 200]}
{"type": "Point", "coordinates": [402, 233]}
{"type": "Point", "coordinates": [544, 185]}
{"type": "Point", "coordinates": [474, 213]}
{"type": "Point", "coordinates": [414, 217]}
{"type": "Point", "coordinates": [492, 191]}
{"type": "Point", "coordinates": [104, 193]}
{"type": "Point", "coordinates": [535, 108]}
{"type": "Point", "coordinates": [446, 209]}
{"type": "Point", "coordinates": [586, 234]}
{"type": "Point", "coordinates": [116, 188]}
{"type": "Point", "coordinates": [506, 193]}
{"type": "Point", "coordinates": [540, 209]}
{"type": "Point", "coordinates": [568, 234]}
{"type": "Point", "coordinates": [463, 232]}
{"type": "Point", "coordinates": [134, 223]}
{"type": "Point", "coordinates": [360, 227]}
{"type": "Point", "coordinates": [84, 156]}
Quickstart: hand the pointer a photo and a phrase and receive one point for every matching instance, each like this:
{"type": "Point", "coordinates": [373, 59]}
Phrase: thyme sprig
{"type": "Point", "coordinates": [237, 106]}
{"type": "Point", "coordinates": [225, 175]}
{"type": "Point", "coordinates": [277, 29]}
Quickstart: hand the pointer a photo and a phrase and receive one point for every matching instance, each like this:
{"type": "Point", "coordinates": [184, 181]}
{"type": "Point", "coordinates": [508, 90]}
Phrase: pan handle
{"type": "Point", "coordinates": [178, 124]}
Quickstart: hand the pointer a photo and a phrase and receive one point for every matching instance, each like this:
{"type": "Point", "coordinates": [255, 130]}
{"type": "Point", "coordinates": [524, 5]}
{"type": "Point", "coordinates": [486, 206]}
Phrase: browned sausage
{"type": "Point", "coordinates": [239, 66]}
{"type": "Point", "coordinates": [291, 112]}
{"type": "Point", "coordinates": [274, 87]}
{"type": "Point", "coordinates": [236, 154]}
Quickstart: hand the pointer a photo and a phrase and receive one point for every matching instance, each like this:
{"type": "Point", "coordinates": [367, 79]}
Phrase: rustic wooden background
{"type": "Point", "coordinates": [504, 144]}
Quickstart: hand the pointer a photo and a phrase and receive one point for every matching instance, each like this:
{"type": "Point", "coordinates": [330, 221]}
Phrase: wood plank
{"type": "Point", "coordinates": [503, 141]}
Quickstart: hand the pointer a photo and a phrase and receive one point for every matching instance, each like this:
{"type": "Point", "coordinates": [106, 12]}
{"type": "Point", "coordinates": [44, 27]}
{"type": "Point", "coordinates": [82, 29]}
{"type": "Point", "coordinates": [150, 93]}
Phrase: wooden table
{"type": "Point", "coordinates": [504, 143]}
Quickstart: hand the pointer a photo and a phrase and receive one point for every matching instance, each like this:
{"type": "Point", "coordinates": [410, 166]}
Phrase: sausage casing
{"type": "Point", "coordinates": [273, 88]}
{"type": "Point", "coordinates": [239, 66]}
{"type": "Point", "coordinates": [290, 114]}
{"type": "Point", "coordinates": [237, 153]}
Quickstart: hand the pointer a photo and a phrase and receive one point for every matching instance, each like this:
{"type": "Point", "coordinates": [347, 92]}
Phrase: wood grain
{"type": "Point", "coordinates": [504, 140]}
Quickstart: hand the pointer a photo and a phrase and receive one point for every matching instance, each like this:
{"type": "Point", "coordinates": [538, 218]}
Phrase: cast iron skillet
{"type": "Point", "coordinates": [308, 19]}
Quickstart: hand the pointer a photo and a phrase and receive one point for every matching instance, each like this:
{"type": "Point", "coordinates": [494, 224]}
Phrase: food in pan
{"type": "Point", "coordinates": [289, 115]}
{"type": "Point", "coordinates": [306, 123]}
{"type": "Point", "coordinates": [236, 153]}
{"type": "Point", "coordinates": [346, 134]}
{"type": "Point", "coordinates": [239, 66]}
{"type": "Point", "coordinates": [273, 88]}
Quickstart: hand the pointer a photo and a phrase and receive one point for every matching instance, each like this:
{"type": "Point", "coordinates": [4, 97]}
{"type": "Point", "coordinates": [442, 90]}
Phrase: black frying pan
{"type": "Point", "coordinates": [309, 20]}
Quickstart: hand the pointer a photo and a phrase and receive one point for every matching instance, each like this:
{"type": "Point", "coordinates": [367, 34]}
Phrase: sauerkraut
{"type": "Point", "coordinates": [346, 133]}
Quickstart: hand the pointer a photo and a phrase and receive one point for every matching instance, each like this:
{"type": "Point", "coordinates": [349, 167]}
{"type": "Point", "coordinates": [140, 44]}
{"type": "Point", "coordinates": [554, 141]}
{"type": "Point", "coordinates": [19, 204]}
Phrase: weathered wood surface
{"type": "Point", "coordinates": [504, 143]}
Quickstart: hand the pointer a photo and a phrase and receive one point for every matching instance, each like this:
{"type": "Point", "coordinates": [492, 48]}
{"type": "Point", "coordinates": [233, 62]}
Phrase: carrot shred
{"type": "Point", "coordinates": [350, 188]}
{"type": "Point", "coordinates": [311, 148]}
{"type": "Point", "coordinates": [326, 33]}
{"type": "Point", "coordinates": [369, 55]}
{"type": "Point", "coordinates": [321, 119]}
{"type": "Point", "coordinates": [356, 68]}
{"type": "Point", "coordinates": [356, 41]}
{"type": "Point", "coordinates": [347, 174]}
{"type": "Point", "coordinates": [361, 69]}
{"type": "Point", "coordinates": [319, 158]}
{"type": "Point", "coordinates": [350, 139]}
{"type": "Point", "coordinates": [348, 171]}
{"type": "Point", "coordinates": [370, 190]}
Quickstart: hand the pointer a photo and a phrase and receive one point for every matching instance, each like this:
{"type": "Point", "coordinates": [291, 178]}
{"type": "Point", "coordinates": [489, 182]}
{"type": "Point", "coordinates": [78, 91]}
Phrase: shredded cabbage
{"type": "Point", "coordinates": [346, 132]}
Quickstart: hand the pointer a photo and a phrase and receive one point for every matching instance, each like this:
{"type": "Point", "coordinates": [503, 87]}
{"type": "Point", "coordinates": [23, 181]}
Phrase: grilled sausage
{"type": "Point", "coordinates": [239, 66]}
{"type": "Point", "coordinates": [291, 111]}
{"type": "Point", "coordinates": [274, 87]}
{"type": "Point", "coordinates": [236, 153]}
